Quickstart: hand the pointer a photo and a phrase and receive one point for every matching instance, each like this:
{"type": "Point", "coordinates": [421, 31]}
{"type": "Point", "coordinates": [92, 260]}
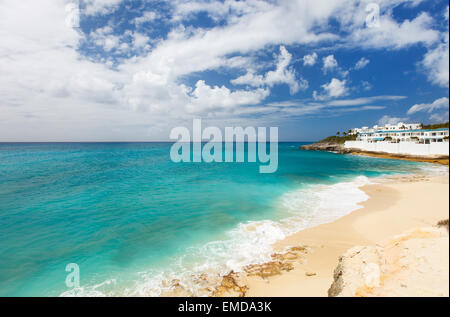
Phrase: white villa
{"type": "Point", "coordinates": [409, 132]}
{"type": "Point", "coordinates": [387, 127]}
{"type": "Point", "coordinates": [402, 138]}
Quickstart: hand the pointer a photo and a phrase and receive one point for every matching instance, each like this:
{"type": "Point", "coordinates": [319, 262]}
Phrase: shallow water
{"type": "Point", "coordinates": [129, 217]}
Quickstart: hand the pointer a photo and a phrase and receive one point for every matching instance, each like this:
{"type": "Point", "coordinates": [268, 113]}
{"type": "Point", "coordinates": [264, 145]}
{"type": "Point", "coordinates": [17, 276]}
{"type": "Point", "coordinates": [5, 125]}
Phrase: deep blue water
{"type": "Point", "coordinates": [124, 212]}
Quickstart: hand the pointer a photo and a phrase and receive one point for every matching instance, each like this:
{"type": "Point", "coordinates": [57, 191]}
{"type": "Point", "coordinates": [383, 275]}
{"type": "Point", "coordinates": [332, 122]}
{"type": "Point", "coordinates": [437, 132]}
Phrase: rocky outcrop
{"type": "Point", "coordinates": [412, 264]}
{"type": "Point", "coordinates": [339, 148]}
{"type": "Point", "coordinates": [327, 146]}
{"type": "Point", "coordinates": [235, 284]}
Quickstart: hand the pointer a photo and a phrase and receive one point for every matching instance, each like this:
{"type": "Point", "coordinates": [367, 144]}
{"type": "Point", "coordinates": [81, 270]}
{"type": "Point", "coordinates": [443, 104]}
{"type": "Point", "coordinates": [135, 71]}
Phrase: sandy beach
{"type": "Point", "coordinates": [396, 205]}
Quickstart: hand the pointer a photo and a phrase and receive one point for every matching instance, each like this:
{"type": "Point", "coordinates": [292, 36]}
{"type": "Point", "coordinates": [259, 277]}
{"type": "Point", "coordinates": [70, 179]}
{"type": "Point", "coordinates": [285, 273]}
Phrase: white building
{"type": "Point", "coordinates": [402, 139]}
{"type": "Point", "coordinates": [403, 133]}
{"type": "Point", "coordinates": [387, 127]}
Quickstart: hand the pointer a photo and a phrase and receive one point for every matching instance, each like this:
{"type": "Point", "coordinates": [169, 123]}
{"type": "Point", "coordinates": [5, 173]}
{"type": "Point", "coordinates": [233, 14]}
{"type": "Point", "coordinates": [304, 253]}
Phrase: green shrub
{"type": "Point", "coordinates": [339, 139]}
{"type": "Point", "coordinates": [435, 126]}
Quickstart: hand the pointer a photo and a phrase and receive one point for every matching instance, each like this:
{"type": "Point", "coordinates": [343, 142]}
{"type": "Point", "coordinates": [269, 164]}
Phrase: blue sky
{"type": "Point", "coordinates": [131, 70]}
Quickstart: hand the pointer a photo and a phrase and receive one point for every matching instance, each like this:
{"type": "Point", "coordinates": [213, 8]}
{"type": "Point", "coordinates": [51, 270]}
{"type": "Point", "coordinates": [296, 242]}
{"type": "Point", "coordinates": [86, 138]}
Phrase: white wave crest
{"type": "Point", "coordinates": [249, 243]}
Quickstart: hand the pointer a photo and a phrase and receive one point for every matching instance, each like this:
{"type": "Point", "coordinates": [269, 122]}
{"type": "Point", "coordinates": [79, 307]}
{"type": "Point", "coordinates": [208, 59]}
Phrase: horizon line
{"type": "Point", "coordinates": [93, 142]}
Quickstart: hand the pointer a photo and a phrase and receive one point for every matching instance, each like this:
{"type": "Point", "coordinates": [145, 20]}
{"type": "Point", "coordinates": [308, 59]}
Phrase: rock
{"type": "Point", "coordinates": [371, 274]}
{"type": "Point", "coordinates": [231, 286]}
{"type": "Point", "coordinates": [411, 264]}
{"type": "Point", "coordinates": [326, 146]}
{"type": "Point", "coordinates": [443, 224]}
{"type": "Point", "coordinates": [341, 149]}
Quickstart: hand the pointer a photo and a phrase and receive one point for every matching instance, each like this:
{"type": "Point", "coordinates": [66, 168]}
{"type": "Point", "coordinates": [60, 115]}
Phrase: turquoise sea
{"type": "Point", "coordinates": [130, 218]}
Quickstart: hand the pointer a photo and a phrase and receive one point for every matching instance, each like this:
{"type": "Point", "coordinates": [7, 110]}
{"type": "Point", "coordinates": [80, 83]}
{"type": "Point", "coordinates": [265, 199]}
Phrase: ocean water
{"type": "Point", "coordinates": [130, 218]}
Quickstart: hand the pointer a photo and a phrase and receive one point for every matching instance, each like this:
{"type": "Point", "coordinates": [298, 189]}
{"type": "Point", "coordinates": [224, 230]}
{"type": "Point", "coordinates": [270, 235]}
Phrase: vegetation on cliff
{"type": "Point", "coordinates": [435, 126]}
{"type": "Point", "coordinates": [338, 139]}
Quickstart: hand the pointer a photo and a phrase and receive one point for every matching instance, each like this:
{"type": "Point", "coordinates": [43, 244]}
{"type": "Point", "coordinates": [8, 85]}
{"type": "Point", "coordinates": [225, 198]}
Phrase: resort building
{"type": "Point", "coordinates": [401, 132]}
{"type": "Point", "coordinates": [417, 135]}
{"type": "Point", "coordinates": [402, 139]}
{"type": "Point", "coordinates": [387, 127]}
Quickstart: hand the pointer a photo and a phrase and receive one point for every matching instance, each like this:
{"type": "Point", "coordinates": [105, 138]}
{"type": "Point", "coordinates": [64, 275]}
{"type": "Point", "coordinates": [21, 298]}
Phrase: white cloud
{"type": "Point", "coordinates": [437, 112]}
{"type": "Point", "coordinates": [94, 7]}
{"type": "Point", "coordinates": [363, 101]}
{"type": "Point", "coordinates": [391, 34]}
{"type": "Point", "coordinates": [334, 89]}
{"type": "Point", "coordinates": [46, 76]}
{"type": "Point", "coordinates": [326, 108]}
{"type": "Point", "coordinates": [140, 40]}
{"type": "Point", "coordinates": [205, 97]}
{"type": "Point", "coordinates": [329, 63]}
{"type": "Point", "coordinates": [281, 75]}
{"type": "Point", "coordinates": [103, 37]}
{"type": "Point", "coordinates": [146, 17]}
{"type": "Point", "coordinates": [439, 117]}
{"type": "Point", "coordinates": [363, 62]}
{"type": "Point", "coordinates": [390, 120]}
{"type": "Point", "coordinates": [310, 60]}
{"type": "Point", "coordinates": [218, 9]}
{"type": "Point", "coordinates": [110, 42]}
{"type": "Point", "coordinates": [250, 79]}
{"type": "Point", "coordinates": [435, 62]}
{"type": "Point", "coordinates": [441, 103]}
{"type": "Point", "coordinates": [365, 85]}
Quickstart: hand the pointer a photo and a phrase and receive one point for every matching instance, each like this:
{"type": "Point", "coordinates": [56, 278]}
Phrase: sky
{"type": "Point", "coordinates": [132, 70]}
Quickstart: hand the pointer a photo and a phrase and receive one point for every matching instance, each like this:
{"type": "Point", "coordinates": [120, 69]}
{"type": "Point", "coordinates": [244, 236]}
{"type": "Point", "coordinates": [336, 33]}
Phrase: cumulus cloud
{"type": "Point", "coordinates": [140, 40]}
{"type": "Point", "coordinates": [95, 7]}
{"type": "Point", "coordinates": [334, 89]}
{"type": "Point", "coordinates": [329, 63]}
{"type": "Point", "coordinates": [395, 35]}
{"type": "Point", "coordinates": [436, 65]}
{"type": "Point", "coordinates": [47, 75]}
{"type": "Point", "coordinates": [103, 37]}
{"type": "Point", "coordinates": [283, 74]}
{"type": "Point", "coordinates": [205, 96]}
{"type": "Point", "coordinates": [146, 17]}
{"type": "Point", "coordinates": [310, 60]}
{"type": "Point", "coordinates": [363, 62]}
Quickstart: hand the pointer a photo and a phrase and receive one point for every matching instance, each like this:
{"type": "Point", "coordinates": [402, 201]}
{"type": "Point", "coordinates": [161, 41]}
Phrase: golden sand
{"type": "Point", "coordinates": [394, 207]}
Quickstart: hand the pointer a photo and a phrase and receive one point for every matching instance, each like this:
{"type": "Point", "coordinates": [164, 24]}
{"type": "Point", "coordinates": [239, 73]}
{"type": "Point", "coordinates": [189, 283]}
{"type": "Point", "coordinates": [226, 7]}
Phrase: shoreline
{"type": "Point", "coordinates": [340, 149]}
{"type": "Point", "coordinates": [303, 264]}
{"type": "Point", "coordinates": [436, 160]}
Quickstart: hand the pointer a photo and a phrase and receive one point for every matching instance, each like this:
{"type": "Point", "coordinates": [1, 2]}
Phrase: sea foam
{"type": "Point", "coordinates": [249, 243]}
